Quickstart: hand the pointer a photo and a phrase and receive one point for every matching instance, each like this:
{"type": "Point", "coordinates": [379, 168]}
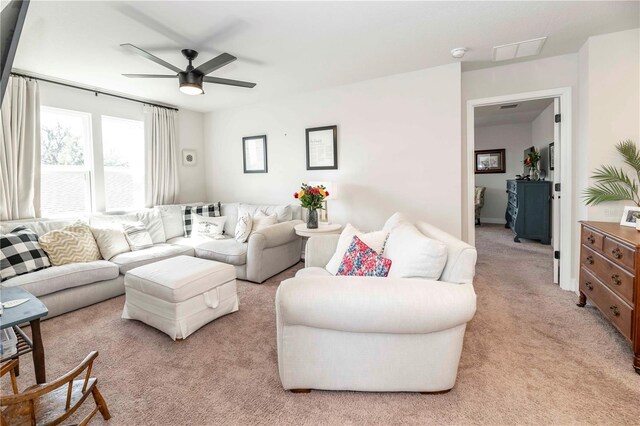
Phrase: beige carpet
{"type": "Point", "coordinates": [530, 357]}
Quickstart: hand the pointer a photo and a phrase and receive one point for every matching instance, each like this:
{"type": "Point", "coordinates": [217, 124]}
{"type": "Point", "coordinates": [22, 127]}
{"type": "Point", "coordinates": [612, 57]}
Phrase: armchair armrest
{"type": "Point", "coordinates": [274, 235]}
{"type": "Point", "coordinates": [375, 305]}
{"type": "Point", "coordinates": [319, 250]}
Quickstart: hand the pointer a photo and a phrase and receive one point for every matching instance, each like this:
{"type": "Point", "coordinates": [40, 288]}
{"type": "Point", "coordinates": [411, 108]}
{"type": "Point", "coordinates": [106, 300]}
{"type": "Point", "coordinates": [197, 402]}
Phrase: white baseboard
{"type": "Point", "coordinates": [495, 220]}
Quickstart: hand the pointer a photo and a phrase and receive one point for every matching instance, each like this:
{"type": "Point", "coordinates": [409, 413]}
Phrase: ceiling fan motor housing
{"type": "Point", "coordinates": [191, 78]}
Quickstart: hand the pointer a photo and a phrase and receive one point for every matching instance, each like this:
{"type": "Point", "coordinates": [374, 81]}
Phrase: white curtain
{"type": "Point", "coordinates": [163, 161]}
{"type": "Point", "coordinates": [20, 150]}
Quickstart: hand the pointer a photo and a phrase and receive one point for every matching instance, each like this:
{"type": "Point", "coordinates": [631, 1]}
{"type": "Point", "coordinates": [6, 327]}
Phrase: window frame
{"type": "Point", "coordinates": [88, 169]}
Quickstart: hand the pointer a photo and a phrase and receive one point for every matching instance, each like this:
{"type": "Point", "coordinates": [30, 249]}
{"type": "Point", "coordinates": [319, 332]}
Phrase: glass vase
{"type": "Point", "coordinates": [534, 174]}
{"type": "Point", "coordinates": [312, 219]}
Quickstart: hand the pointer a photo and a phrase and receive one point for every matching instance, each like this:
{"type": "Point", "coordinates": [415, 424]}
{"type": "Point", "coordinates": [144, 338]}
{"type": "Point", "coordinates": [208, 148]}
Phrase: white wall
{"type": "Point", "coordinates": [541, 136]}
{"type": "Point", "coordinates": [398, 148]}
{"type": "Point", "coordinates": [190, 133]}
{"type": "Point", "coordinates": [609, 106]}
{"type": "Point", "coordinates": [514, 138]}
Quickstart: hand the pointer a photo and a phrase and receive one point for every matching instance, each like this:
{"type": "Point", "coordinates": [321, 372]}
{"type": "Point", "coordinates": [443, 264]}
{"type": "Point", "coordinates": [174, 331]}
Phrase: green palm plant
{"type": "Point", "coordinates": [613, 183]}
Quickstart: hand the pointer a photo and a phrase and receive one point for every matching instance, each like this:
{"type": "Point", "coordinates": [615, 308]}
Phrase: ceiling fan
{"type": "Point", "coordinates": [191, 79]}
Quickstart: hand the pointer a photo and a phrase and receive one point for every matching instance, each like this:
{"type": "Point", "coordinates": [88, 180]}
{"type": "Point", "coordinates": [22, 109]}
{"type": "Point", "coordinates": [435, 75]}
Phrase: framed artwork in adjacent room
{"type": "Point", "coordinates": [490, 161]}
{"type": "Point", "coordinates": [551, 152]}
{"type": "Point", "coordinates": [254, 154]}
{"type": "Point", "coordinates": [322, 148]}
{"type": "Point", "coordinates": [188, 157]}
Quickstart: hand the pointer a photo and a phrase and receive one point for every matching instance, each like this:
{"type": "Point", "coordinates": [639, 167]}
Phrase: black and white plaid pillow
{"type": "Point", "coordinates": [21, 253]}
{"type": "Point", "coordinates": [206, 210]}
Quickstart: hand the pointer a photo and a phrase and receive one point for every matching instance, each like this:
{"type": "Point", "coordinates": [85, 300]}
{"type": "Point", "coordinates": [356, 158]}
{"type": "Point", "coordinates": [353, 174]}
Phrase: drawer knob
{"type": "Point", "coordinates": [614, 310]}
{"type": "Point", "coordinates": [615, 278]}
{"type": "Point", "coordinates": [589, 285]}
{"type": "Point", "coordinates": [589, 260]}
{"type": "Point", "coordinates": [616, 253]}
{"type": "Point", "coordinates": [591, 239]}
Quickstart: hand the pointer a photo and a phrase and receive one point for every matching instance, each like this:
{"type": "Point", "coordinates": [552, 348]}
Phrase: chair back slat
{"type": "Point", "coordinates": [69, 389]}
{"type": "Point", "coordinates": [86, 377]}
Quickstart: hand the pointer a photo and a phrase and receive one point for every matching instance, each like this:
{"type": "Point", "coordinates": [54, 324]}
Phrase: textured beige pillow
{"type": "Point", "coordinates": [71, 244]}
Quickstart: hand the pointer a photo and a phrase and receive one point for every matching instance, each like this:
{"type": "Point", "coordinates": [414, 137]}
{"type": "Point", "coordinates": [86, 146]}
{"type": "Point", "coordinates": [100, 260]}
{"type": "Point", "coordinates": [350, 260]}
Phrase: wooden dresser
{"type": "Point", "coordinates": [529, 210]}
{"type": "Point", "coordinates": [610, 277]}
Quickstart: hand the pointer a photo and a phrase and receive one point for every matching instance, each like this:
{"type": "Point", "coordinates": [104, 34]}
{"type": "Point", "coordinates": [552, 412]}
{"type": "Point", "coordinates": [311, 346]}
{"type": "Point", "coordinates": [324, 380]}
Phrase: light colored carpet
{"type": "Point", "coordinates": [530, 357]}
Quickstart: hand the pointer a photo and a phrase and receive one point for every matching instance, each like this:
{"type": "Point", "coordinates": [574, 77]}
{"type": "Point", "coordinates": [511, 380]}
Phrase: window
{"type": "Point", "coordinates": [124, 171]}
{"type": "Point", "coordinates": [66, 160]}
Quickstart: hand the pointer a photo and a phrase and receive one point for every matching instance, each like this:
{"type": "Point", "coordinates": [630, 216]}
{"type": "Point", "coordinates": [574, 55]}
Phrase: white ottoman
{"type": "Point", "coordinates": [181, 294]}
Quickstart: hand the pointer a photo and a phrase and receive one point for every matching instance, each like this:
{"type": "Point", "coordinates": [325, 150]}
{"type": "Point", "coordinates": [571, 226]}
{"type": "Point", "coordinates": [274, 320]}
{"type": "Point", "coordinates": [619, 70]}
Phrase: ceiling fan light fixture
{"type": "Point", "coordinates": [191, 83]}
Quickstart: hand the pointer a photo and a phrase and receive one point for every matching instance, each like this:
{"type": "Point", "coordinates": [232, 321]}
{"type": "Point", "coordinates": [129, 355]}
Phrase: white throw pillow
{"type": "Point", "coordinates": [261, 221]}
{"type": "Point", "coordinates": [171, 215]}
{"type": "Point", "coordinates": [206, 226]}
{"type": "Point", "coordinates": [137, 236]}
{"type": "Point", "coordinates": [153, 221]}
{"type": "Point", "coordinates": [375, 240]}
{"type": "Point", "coordinates": [395, 220]}
{"type": "Point", "coordinates": [283, 213]}
{"type": "Point", "coordinates": [243, 228]}
{"type": "Point", "coordinates": [413, 254]}
{"type": "Point", "coordinates": [110, 239]}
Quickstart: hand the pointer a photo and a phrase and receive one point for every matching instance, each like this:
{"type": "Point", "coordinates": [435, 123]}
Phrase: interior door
{"type": "Point", "coordinates": [554, 176]}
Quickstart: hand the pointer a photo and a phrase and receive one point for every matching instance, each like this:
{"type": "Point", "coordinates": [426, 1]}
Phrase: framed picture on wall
{"type": "Point", "coordinates": [551, 152]}
{"type": "Point", "coordinates": [322, 148]}
{"type": "Point", "coordinates": [490, 161]}
{"type": "Point", "coordinates": [254, 154]}
{"type": "Point", "coordinates": [188, 157]}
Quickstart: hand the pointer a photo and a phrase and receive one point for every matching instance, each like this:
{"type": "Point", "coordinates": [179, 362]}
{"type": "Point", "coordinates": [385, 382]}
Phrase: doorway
{"type": "Point", "coordinates": [506, 129]}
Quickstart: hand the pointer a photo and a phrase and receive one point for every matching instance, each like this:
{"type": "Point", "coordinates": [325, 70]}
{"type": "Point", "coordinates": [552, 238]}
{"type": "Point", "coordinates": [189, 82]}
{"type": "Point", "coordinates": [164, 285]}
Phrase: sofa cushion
{"type": "Point", "coordinates": [153, 222]}
{"type": "Point", "coordinates": [133, 259]}
{"type": "Point", "coordinates": [171, 215]}
{"type": "Point", "coordinates": [21, 253]}
{"type": "Point", "coordinates": [313, 271]}
{"type": "Point", "coordinates": [56, 278]}
{"type": "Point", "coordinates": [361, 260]}
{"type": "Point", "coordinates": [413, 254]}
{"type": "Point", "coordinates": [110, 239]}
{"type": "Point", "coordinates": [375, 240]}
{"type": "Point", "coordinates": [228, 251]}
{"type": "Point", "coordinates": [283, 213]}
{"type": "Point", "coordinates": [71, 244]}
{"type": "Point", "coordinates": [39, 226]}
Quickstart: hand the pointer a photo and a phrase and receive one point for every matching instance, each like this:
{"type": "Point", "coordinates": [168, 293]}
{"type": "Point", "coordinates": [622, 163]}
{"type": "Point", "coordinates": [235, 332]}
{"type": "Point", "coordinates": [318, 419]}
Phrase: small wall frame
{"type": "Point", "coordinates": [254, 154]}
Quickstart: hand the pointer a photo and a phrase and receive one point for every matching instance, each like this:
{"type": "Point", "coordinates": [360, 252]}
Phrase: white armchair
{"type": "Point", "coordinates": [374, 334]}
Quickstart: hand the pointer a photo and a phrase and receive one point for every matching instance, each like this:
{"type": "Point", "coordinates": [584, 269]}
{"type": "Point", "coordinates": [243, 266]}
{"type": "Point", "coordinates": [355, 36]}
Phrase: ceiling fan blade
{"type": "Point", "coordinates": [228, 82]}
{"type": "Point", "coordinates": [149, 76]}
{"type": "Point", "coordinates": [215, 63]}
{"type": "Point", "coordinates": [150, 57]}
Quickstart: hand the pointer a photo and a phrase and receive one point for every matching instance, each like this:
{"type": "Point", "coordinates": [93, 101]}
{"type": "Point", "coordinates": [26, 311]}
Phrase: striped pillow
{"type": "Point", "coordinates": [137, 235]}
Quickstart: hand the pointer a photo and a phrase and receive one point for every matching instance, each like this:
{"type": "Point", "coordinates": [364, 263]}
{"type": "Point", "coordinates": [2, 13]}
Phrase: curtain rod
{"type": "Point", "coordinates": [91, 90]}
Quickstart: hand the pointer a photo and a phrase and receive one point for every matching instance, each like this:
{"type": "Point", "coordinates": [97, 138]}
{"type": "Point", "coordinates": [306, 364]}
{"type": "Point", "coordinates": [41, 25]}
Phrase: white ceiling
{"type": "Point", "coordinates": [525, 112]}
{"type": "Point", "coordinates": [291, 47]}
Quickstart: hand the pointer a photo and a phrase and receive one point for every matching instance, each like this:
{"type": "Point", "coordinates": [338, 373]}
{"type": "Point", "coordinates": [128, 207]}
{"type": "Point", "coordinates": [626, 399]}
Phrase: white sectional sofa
{"type": "Point", "coordinates": [374, 334]}
{"type": "Point", "coordinates": [68, 287]}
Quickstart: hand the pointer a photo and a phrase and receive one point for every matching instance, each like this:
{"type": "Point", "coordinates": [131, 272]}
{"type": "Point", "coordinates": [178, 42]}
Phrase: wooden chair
{"type": "Point", "coordinates": [52, 403]}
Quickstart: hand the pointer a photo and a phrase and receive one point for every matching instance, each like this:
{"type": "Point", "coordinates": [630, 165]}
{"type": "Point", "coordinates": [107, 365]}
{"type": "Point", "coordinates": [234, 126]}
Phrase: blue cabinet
{"type": "Point", "coordinates": [529, 210]}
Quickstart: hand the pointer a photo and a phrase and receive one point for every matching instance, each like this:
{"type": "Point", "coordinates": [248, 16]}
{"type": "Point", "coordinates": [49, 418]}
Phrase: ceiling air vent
{"type": "Point", "coordinates": [508, 106]}
{"type": "Point", "coordinates": [521, 49]}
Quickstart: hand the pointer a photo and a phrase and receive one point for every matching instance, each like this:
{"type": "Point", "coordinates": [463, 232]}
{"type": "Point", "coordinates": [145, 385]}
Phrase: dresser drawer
{"type": "Point", "coordinates": [619, 254]}
{"type": "Point", "coordinates": [611, 306]}
{"type": "Point", "coordinates": [591, 238]}
{"type": "Point", "coordinates": [611, 275]}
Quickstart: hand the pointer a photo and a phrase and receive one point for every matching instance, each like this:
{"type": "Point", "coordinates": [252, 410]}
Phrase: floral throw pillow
{"type": "Point", "coordinates": [361, 260]}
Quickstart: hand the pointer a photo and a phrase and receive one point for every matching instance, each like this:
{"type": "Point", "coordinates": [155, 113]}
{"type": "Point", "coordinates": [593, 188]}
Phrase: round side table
{"type": "Point", "coordinates": [322, 229]}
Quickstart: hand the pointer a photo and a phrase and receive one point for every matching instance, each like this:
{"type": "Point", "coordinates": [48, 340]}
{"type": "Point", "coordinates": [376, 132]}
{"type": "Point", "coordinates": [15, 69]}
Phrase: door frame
{"type": "Point", "coordinates": [566, 180]}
